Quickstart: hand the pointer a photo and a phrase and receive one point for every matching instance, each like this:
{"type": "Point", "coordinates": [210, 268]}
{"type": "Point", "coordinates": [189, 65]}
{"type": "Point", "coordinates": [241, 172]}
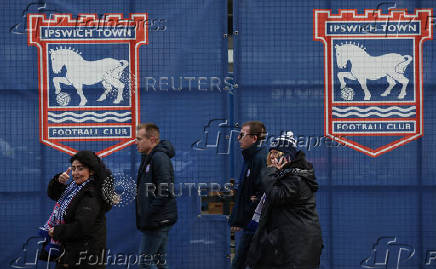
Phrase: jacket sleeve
{"type": "Point", "coordinates": [232, 218]}
{"type": "Point", "coordinates": [84, 218]}
{"type": "Point", "coordinates": [279, 190]}
{"type": "Point", "coordinates": [259, 165]}
{"type": "Point", "coordinates": [55, 188]}
{"type": "Point", "coordinates": [162, 177]}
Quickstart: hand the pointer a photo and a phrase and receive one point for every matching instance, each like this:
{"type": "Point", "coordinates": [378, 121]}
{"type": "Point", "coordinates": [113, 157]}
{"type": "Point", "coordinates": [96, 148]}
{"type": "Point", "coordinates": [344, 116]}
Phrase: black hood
{"type": "Point", "coordinates": [166, 147]}
{"type": "Point", "coordinates": [301, 167]}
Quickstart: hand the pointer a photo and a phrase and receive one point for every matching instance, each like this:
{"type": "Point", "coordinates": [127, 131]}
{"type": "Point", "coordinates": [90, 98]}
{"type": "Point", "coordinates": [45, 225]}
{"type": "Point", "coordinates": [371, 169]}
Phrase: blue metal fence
{"type": "Point", "coordinates": [185, 88]}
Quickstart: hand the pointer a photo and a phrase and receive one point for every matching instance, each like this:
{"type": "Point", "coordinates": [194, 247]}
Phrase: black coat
{"type": "Point", "coordinates": [254, 162]}
{"type": "Point", "coordinates": [84, 231]}
{"type": "Point", "coordinates": [289, 233]}
{"type": "Point", "coordinates": [155, 202]}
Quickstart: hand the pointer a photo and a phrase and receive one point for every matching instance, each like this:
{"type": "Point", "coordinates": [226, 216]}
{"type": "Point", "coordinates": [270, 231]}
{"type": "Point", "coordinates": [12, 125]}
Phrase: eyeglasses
{"type": "Point", "coordinates": [276, 154]}
{"type": "Point", "coordinates": [78, 168]}
{"type": "Point", "coordinates": [241, 135]}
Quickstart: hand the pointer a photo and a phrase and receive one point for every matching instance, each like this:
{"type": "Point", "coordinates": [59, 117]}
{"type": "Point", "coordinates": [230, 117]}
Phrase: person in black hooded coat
{"type": "Point", "coordinates": [288, 234]}
{"type": "Point", "coordinates": [83, 232]}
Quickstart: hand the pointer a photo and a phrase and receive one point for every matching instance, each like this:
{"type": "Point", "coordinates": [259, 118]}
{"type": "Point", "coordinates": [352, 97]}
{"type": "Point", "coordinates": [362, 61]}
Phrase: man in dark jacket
{"type": "Point", "coordinates": [250, 186]}
{"type": "Point", "coordinates": [156, 209]}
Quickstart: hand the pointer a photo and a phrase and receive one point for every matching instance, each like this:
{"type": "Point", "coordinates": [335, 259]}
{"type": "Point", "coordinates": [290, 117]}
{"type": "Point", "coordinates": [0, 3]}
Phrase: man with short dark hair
{"type": "Point", "coordinates": [250, 188]}
{"type": "Point", "coordinates": [156, 209]}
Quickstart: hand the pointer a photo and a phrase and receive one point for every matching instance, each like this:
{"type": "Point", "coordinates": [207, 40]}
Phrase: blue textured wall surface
{"type": "Point", "coordinates": [279, 73]}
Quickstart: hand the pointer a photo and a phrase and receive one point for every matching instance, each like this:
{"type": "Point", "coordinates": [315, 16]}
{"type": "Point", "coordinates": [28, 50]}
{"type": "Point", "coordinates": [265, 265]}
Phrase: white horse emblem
{"type": "Point", "coordinates": [364, 66]}
{"type": "Point", "coordinates": [81, 72]}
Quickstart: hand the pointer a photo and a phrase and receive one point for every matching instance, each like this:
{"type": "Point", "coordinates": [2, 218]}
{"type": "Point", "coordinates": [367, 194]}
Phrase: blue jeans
{"type": "Point", "coordinates": [240, 259]}
{"type": "Point", "coordinates": [153, 248]}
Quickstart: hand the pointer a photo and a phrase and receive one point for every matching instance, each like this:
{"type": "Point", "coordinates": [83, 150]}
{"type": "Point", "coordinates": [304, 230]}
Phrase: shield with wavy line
{"type": "Point", "coordinates": [88, 79]}
{"type": "Point", "coordinates": [373, 76]}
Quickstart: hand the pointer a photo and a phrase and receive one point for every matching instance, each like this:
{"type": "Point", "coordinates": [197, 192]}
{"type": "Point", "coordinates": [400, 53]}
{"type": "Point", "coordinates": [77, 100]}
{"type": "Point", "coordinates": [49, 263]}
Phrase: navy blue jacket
{"type": "Point", "coordinates": [155, 202]}
{"type": "Point", "coordinates": [251, 185]}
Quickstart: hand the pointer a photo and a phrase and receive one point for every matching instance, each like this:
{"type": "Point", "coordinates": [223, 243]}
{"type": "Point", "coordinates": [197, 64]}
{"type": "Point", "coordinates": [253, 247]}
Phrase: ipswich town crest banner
{"type": "Point", "coordinates": [88, 71]}
{"type": "Point", "coordinates": [373, 76]}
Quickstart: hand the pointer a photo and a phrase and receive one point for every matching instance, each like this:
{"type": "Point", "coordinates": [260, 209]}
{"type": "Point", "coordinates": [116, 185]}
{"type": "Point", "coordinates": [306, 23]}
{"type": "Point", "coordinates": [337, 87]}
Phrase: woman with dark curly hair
{"type": "Point", "coordinates": [288, 233]}
{"type": "Point", "coordinates": [76, 229]}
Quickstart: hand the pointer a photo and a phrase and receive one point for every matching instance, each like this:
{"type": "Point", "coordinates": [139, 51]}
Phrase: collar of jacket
{"type": "Point", "coordinates": [249, 153]}
{"type": "Point", "coordinates": [145, 157]}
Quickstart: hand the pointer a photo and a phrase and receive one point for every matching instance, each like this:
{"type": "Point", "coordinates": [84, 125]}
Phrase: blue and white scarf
{"type": "Point", "coordinates": [59, 210]}
{"type": "Point", "coordinates": [252, 226]}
